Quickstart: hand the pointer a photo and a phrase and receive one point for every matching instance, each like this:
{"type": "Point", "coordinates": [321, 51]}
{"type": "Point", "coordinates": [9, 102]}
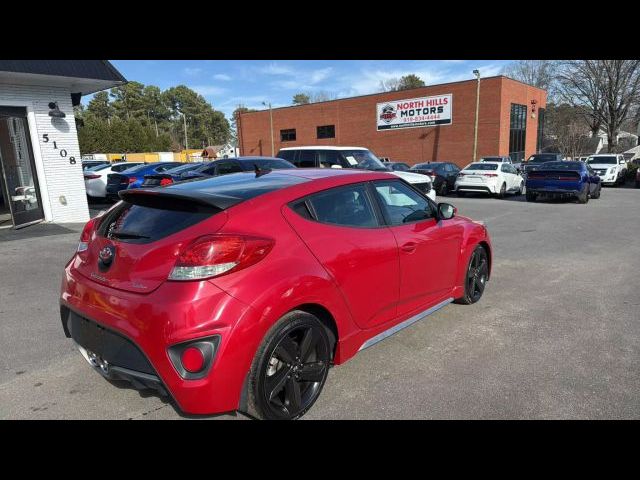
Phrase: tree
{"type": "Point", "coordinates": [566, 130]}
{"type": "Point", "coordinates": [538, 73]}
{"type": "Point", "coordinates": [301, 99]}
{"type": "Point", "coordinates": [234, 119]}
{"type": "Point", "coordinates": [406, 82]}
{"type": "Point", "coordinates": [606, 91]}
{"type": "Point", "coordinates": [100, 107]}
{"type": "Point", "coordinates": [128, 100]}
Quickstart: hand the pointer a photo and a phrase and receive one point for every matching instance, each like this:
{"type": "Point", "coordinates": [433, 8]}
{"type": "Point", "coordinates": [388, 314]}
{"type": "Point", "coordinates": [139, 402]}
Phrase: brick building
{"type": "Point", "coordinates": [406, 126]}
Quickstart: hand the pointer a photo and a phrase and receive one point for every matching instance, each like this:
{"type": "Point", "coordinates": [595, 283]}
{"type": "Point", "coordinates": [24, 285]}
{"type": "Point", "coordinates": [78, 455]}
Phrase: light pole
{"type": "Point", "coordinates": [273, 153]}
{"type": "Point", "coordinates": [475, 128]}
{"type": "Point", "coordinates": [186, 144]}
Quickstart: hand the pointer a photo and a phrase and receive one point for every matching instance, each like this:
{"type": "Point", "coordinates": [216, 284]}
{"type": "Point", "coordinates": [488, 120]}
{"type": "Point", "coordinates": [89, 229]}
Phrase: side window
{"type": "Point", "coordinates": [209, 171]}
{"type": "Point", "coordinates": [327, 158]}
{"type": "Point", "coordinates": [228, 167]}
{"type": "Point", "coordinates": [347, 206]}
{"type": "Point", "coordinates": [401, 203]}
{"type": "Point", "coordinates": [306, 159]}
{"type": "Point", "coordinates": [160, 169]}
{"type": "Point", "coordinates": [505, 168]}
{"type": "Point", "coordinates": [286, 155]}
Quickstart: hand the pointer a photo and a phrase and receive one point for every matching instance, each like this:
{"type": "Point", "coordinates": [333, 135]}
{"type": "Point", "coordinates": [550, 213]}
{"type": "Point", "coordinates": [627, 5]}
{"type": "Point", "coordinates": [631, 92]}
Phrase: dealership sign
{"type": "Point", "coordinates": [414, 112]}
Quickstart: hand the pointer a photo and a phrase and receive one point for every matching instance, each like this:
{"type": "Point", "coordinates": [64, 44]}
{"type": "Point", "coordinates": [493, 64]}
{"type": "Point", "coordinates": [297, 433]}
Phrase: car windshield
{"type": "Point", "coordinates": [481, 166]}
{"type": "Point", "coordinates": [95, 168]}
{"type": "Point", "coordinates": [602, 161]}
{"type": "Point", "coordinates": [542, 158]}
{"type": "Point", "coordinates": [363, 159]}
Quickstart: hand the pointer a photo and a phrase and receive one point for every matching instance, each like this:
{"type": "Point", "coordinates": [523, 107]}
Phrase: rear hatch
{"type": "Point", "coordinates": [145, 233]}
{"type": "Point", "coordinates": [557, 179]}
{"type": "Point", "coordinates": [157, 180]}
{"type": "Point", "coordinates": [116, 182]}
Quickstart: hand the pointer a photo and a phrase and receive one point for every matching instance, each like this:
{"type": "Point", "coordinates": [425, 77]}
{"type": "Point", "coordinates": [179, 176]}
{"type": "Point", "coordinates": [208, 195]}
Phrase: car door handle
{"type": "Point", "coordinates": [409, 247]}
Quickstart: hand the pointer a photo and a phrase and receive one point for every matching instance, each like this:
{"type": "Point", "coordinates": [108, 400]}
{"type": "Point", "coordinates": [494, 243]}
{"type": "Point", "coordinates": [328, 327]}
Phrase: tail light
{"type": "Point", "coordinates": [461, 174]}
{"type": "Point", "coordinates": [214, 255]}
{"type": "Point", "coordinates": [85, 236]}
{"type": "Point", "coordinates": [91, 177]}
{"type": "Point", "coordinates": [132, 179]}
{"type": "Point", "coordinates": [166, 181]}
{"type": "Point", "coordinates": [490, 174]}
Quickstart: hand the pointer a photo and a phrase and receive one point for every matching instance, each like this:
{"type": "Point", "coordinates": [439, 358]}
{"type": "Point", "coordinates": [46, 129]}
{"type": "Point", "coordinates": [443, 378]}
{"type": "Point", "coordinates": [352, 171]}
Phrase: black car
{"type": "Point", "coordinates": [443, 175]}
{"type": "Point", "coordinates": [538, 159]}
{"type": "Point", "coordinates": [239, 164]}
{"type": "Point", "coordinates": [397, 166]}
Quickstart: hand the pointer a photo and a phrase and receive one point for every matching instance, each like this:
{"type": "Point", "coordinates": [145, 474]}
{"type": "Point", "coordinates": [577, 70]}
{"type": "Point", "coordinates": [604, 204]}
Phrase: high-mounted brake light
{"type": "Point", "coordinates": [214, 255]}
{"type": "Point", "coordinates": [85, 236]}
{"type": "Point", "coordinates": [490, 174]}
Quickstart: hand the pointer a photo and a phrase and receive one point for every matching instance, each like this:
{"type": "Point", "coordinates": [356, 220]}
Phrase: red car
{"type": "Point", "coordinates": [237, 293]}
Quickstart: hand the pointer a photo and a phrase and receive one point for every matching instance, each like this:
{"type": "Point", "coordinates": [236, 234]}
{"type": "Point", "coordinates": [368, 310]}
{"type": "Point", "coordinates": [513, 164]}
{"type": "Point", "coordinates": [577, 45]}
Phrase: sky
{"type": "Point", "coordinates": [229, 83]}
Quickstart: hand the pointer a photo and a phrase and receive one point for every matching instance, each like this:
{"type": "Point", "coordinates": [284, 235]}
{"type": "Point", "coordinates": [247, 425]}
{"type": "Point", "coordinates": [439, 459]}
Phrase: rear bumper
{"type": "Point", "coordinates": [553, 191]}
{"type": "Point", "coordinates": [95, 188]}
{"type": "Point", "coordinates": [133, 333]}
{"type": "Point", "coordinates": [476, 187]}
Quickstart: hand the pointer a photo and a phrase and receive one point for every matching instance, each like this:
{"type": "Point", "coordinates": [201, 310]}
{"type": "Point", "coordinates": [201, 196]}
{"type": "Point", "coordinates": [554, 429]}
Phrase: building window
{"type": "Point", "coordinates": [288, 135]}
{"type": "Point", "coordinates": [327, 131]}
{"type": "Point", "coordinates": [540, 130]}
{"type": "Point", "coordinates": [517, 132]}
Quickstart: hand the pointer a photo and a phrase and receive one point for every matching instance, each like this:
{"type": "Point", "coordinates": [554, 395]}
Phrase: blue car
{"type": "Point", "coordinates": [133, 177]}
{"type": "Point", "coordinates": [564, 179]}
{"type": "Point", "coordinates": [238, 164]}
{"type": "Point", "coordinates": [172, 175]}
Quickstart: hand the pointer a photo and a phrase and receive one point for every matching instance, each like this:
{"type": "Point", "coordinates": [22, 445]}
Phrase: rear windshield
{"type": "Point", "coordinates": [602, 160]}
{"type": "Point", "coordinates": [542, 158]}
{"type": "Point", "coordinates": [562, 166]}
{"type": "Point", "coordinates": [143, 224]}
{"type": "Point", "coordinates": [481, 166]}
{"type": "Point", "coordinates": [135, 169]}
{"type": "Point", "coordinates": [265, 163]}
{"type": "Point", "coordinates": [491, 159]}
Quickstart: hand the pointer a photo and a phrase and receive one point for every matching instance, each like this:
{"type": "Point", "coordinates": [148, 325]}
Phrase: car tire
{"type": "Point", "coordinates": [596, 194]}
{"type": "Point", "coordinates": [521, 190]}
{"type": "Point", "coordinates": [444, 189]}
{"type": "Point", "coordinates": [461, 194]}
{"type": "Point", "coordinates": [530, 196]}
{"type": "Point", "coordinates": [503, 190]}
{"type": "Point", "coordinates": [584, 196]}
{"type": "Point", "coordinates": [637, 184]}
{"type": "Point", "coordinates": [297, 345]}
{"type": "Point", "coordinates": [476, 276]}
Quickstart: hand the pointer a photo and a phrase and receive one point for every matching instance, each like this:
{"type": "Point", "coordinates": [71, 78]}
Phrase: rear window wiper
{"type": "Point", "coordinates": [131, 235]}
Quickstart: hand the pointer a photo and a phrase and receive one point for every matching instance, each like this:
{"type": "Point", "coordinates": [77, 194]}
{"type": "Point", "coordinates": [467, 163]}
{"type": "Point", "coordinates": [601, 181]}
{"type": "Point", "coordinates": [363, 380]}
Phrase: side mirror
{"type": "Point", "coordinates": [446, 211]}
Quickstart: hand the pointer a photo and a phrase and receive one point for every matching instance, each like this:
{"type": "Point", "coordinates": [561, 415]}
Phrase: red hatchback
{"type": "Point", "coordinates": [239, 292]}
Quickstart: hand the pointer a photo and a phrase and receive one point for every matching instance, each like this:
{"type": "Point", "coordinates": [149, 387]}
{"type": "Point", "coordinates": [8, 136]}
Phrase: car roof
{"type": "Point", "coordinates": [322, 147]}
{"type": "Point", "coordinates": [486, 163]}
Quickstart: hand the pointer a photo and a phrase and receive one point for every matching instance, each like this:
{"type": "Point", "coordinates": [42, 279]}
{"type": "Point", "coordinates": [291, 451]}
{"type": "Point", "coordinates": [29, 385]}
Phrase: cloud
{"type": "Point", "coordinates": [276, 69]}
{"type": "Point", "coordinates": [208, 90]}
{"type": "Point", "coordinates": [192, 72]}
{"type": "Point", "coordinates": [221, 76]}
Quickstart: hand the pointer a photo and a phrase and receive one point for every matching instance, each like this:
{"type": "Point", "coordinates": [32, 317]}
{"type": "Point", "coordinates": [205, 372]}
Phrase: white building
{"type": "Point", "coordinates": [40, 166]}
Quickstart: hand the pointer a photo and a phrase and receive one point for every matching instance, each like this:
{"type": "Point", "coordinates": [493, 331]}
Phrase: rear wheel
{"type": "Point", "coordinates": [290, 368]}
{"type": "Point", "coordinates": [596, 194]}
{"type": "Point", "coordinates": [531, 197]}
{"type": "Point", "coordinates": [521, 190]}
{"type": "Point", "coordinates": [476, 277]}
{"type": "Point", "coordinates": [584, 196]}
{"type": "Point", "coordinates": [503, 190]}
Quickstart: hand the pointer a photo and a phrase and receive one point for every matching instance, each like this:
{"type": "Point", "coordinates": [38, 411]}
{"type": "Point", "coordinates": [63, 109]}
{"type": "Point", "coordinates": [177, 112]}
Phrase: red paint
{"type": "Point", "coordinates": [192, 359]}
{"type": "Point", "coordinates": [366, 279]}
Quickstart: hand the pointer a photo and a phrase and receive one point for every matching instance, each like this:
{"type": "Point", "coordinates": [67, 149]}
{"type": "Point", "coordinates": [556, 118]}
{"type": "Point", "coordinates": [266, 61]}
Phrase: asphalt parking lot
{"type": "Point", "coordinates": [555, 336]}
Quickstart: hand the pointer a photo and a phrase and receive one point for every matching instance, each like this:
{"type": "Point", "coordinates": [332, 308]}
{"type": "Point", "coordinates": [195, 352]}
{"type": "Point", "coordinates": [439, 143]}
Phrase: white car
{"type": "Point", "coordinates": [95, 178]}
{"type": "Point", "coordinates": [494, 178]}
{"type": "Point", "coordinates": [325, 156]}
{"type": "Point", "coordinates": [611, 168]}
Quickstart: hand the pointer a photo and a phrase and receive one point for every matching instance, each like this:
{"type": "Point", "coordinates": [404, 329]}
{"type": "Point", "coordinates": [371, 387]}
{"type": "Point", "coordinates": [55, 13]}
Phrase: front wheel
{"type": "Point", "coordinates": [476, 278]}
{"type": "Point", "coordinates": [290, 368]}
{"type": "Point", "coordinates": [530, 196]}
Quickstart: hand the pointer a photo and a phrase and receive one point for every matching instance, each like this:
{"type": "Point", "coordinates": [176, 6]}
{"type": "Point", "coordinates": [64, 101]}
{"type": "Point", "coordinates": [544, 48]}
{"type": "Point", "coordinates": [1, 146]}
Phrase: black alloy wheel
{"type": "Point", "coordinates": [290, 368]}
{"type": "Point", "coordinates": [477, 276]}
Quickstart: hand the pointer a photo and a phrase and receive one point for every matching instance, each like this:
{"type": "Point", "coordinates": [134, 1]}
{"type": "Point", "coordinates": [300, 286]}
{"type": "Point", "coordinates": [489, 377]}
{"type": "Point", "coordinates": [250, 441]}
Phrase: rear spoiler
{"type": "Point", "coordinates": [169, 199]}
